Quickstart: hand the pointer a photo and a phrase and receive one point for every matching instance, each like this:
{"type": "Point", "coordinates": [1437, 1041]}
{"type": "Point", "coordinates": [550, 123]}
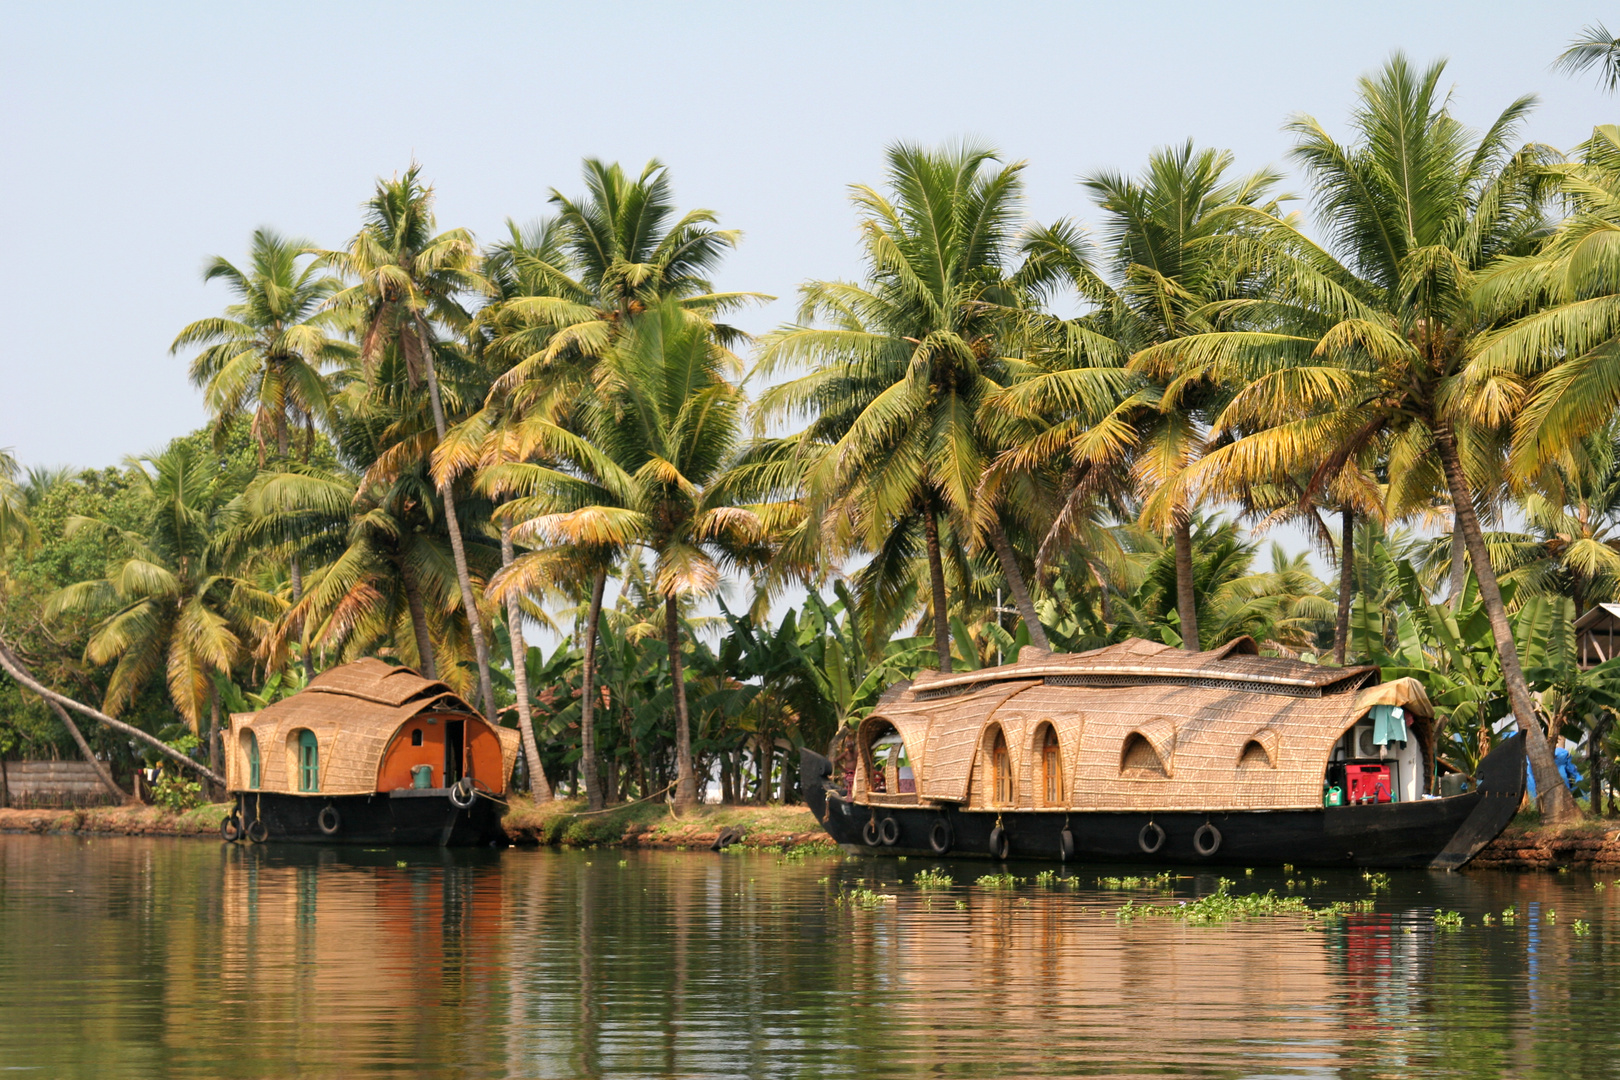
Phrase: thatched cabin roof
{"type": "Point", "coordinates": [1139, 725]}
{"type": "Point", "coordinates": [354, 710]}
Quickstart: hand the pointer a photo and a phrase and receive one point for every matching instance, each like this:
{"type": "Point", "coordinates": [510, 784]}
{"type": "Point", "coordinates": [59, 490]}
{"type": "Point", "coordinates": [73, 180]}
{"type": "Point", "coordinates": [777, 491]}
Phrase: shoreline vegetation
{"type": "Point", "coordinates": [1005, 433]}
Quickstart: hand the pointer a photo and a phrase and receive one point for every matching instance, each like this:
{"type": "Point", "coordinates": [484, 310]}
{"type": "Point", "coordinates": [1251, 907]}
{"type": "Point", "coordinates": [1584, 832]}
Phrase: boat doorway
{"type": "Point", "coordinates": [455, 739]}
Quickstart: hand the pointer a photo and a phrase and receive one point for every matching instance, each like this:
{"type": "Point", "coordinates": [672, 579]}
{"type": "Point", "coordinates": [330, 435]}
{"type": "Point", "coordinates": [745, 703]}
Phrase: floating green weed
{"type": "Point", "coordinates": [1509, 914]}
{"type": "Point", "coordinates": [997, 881]}
{"type": "Point", "coordinates": [1221, 906]}
{"type": "Point", "coordinates": [1448, 919]}
{"type": "Point", "coordinates": [1581, 928]}
{"type": "Point", "coordinates": [1552, 916]}
{"type": "Point", "coordinates": [1375, 882]}
{"type": "Point", "coordinates": [1158, 881]}
{"type": "Point", "coordinates": [1485, 919]}
{"type": "Point", "coordinates": [733, 849]}
{"type": "Point", "coordinates": [933, 879]}
{"type": "Point", "coordinates": [1046, 879]}
{"type": "Point", "coordinates": [861, 896]}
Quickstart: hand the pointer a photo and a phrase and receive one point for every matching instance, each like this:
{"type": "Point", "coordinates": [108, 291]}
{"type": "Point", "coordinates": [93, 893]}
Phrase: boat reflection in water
{"type": "Point", "coordinates": [180, 959]}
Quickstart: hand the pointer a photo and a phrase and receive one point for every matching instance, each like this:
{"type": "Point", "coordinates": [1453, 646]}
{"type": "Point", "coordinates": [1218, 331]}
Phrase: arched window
{"type": "Point", "coordinates": [309, 762]}
{"type": "Point", "coordinates": [1140, 760]}
{"type": "Point", "coordinates": [1001, 770]}
{"type": "Point", "coordinates": [416, 737]}
{"type": "Point", "coordinates": [250, 753]}
{"type": "Point", "coordinates": [1051, 768]}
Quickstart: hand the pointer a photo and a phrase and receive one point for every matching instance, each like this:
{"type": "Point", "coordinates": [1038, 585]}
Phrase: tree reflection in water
{"type": "Point", "coordinates": [187, 959]}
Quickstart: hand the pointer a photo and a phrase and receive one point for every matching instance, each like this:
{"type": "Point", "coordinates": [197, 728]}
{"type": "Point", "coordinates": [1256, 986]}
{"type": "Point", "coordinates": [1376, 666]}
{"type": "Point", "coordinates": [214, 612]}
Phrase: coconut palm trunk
{"type": "Point", "coordinates": [1181, 537]}
{"type": "Point", "coordinates": [419, 625]}
{"type": "Point", "coordinates": [96, 763]}
{"type": "Point", "coordinates": [1347, 585]}
{"type": "Point", "coordinates": [14, 667]}
{"type": "Point", "coordinates": [686, 793]}
{"type": "Point", "coordinates": [587, 696]}
{"type": "Point", "coordinates": [458, 549]}
{"type": "Point", "coordinates": [1015, 582]}
{"type": "Point", "coordinates": [213, 726]}
{"type": "Point", "coordinates": [1557, 804]}
{"type": "Point", "coordinates": [538, 787]}
{"type": "Point", "coordinates": [936, 588]}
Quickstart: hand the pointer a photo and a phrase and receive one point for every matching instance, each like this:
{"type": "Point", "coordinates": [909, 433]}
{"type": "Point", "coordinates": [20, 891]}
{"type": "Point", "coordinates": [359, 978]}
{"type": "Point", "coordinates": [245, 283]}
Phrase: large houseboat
{"type": "Point", "coordinates": [1142, 752]}
{"type": "Point", "coordinates": [369, 753]}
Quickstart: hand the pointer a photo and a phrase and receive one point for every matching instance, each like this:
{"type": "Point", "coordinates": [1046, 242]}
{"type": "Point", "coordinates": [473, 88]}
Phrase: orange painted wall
{"type": "Point", "coordinates": [483, 754]}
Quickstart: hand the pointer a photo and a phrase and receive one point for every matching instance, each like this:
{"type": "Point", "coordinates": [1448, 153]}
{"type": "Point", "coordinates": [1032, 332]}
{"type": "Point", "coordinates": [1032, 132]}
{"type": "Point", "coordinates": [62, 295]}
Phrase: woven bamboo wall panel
{"type": "Point", "coordinates": [954, 727]}
{"type": "Point", "coordinates": [1199, 731]}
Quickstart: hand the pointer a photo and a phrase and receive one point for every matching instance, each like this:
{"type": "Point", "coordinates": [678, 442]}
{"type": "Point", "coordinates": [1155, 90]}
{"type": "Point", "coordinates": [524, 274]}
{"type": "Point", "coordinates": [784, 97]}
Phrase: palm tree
{"type": "Point", "coordinates": [905, 361]}
{"type": "Point", "coordinates": [15, 526]}
{"type": "Point", "coordinates": [410, 282]}
{"type": "Point", "coordinates": [168, 605]}
{"type": "Point", "coordinates": [1165, 234]}
{"type": "Point", "coordinates": [266, 353]}
{"type": "Point", "coordinates": [1593, 48]}
{"type": "Point", "coordinates": [650, 473]}
{"type": "Point", "coordinates": [563, 292]}
{"type": "Point", "coordinates": [1373, 347]}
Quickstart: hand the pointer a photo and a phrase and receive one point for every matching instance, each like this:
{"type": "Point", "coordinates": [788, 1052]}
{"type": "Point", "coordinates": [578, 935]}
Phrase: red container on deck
{"type": "Point", "coordinates": [1367, 783]}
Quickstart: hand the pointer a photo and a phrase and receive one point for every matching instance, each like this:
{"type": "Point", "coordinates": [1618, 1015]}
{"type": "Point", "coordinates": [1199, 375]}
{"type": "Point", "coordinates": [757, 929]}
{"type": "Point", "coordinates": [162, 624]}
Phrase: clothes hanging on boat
{"type": "Point", "coordinates": [1389, 724]}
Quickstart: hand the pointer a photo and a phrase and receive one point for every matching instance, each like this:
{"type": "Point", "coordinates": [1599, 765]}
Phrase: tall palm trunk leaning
{"type": "Point", "coordinates": [538, 786]}
{"type": "Point", "coordinates": [1347, 585]}
{"type": "Point", "coordinates": [588, 693]}
{"type": "Point", "coordinates": [409, 280]}
{"type": "Point", "coordinates": [1374, 340]}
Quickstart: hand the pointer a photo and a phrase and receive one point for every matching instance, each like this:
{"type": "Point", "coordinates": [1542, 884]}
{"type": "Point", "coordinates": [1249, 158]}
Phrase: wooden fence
{"type": "Point", "coordinates": [52, 783]}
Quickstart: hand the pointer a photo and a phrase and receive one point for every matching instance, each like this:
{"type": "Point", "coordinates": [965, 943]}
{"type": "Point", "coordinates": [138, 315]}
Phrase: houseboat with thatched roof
{"type": "Point", "coordinates": [369, 753]}
{"type": "Point", "coordinates": [1142, 752]}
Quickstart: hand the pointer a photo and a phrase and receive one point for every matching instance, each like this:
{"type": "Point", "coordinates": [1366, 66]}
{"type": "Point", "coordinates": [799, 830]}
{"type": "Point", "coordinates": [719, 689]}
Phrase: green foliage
{"type": "Point", "coordinates": [934, 878]}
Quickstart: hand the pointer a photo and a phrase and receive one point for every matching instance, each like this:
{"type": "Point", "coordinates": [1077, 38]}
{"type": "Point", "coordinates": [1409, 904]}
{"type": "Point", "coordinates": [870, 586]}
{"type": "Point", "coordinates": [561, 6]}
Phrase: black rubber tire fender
{"type": "Point", "coordinates": [939, 837]}
{"type": "Point", "coordinates": [463, 794]}
{"type": "Point", "coordinates": [1065, 844]}
{"type": "Point", "coordinates": [230, 828]}
{"type": "Point", "coordinates": [257, 831]}
{"type": "Point", "coordinates": [329, 821]}
{"type": "Point", "coordinates": [1000, 845]}
{"type": "Point", "coordinates": [1151, 838]}
{"type": "Point", "coordinates": [869, 832]}
{"type": "Point", "coordinates": [889, 831]}
{"type": "Point", "coordinates": [1207, 840]}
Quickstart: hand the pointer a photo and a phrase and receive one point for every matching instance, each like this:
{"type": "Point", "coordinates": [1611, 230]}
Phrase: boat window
{"type": "Point", "coordinates": [416, 737]}
{"type": "Point", "coordinates": [1138, 759]}
{"type": "Point", "coordinates": [1001, 769]}
{"type": "Point", "coordinates": [309, 762]}
{"type": "Point", "coordinates": [1254, 756]}
{"type": "Point", "coordinates": [1051, 768]}
{"type": "Point", "coordinates": [250, 752]}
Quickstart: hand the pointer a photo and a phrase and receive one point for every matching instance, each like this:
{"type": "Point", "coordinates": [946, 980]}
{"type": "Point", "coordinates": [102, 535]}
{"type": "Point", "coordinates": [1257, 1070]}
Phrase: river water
{"type": "Point", "coordinates": [178, 958]}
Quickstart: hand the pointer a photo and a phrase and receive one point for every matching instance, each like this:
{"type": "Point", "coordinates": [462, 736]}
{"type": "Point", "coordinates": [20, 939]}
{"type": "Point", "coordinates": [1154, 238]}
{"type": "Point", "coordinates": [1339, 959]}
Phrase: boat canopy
{"type": "Point", "coordinates": [332, 737]}
{"type": "Point", "coordinates": [1138, 726]}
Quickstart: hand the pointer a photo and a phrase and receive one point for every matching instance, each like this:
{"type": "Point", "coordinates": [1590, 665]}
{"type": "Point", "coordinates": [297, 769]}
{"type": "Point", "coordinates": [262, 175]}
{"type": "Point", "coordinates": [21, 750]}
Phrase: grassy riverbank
{"type": "Point", "coordinates": [561, 822]}
{"type": "Point", "coordinates": [651, 824]}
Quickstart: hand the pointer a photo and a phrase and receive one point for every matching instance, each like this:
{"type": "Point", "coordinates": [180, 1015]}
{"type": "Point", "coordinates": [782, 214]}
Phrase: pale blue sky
{"type": "Point", "coordinates": [137, 143]}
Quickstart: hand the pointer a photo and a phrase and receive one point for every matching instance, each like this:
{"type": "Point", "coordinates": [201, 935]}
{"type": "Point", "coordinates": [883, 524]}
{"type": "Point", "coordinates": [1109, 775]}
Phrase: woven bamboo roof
{"type": "Point", "coordinates": [354, 710]}
{"type": "Point", "coordinates": [1140, 726]}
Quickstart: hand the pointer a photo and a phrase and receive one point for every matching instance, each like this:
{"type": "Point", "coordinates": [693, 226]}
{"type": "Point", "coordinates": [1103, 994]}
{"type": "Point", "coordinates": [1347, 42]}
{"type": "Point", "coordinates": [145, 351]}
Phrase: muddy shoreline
{"type": "Point", "coordinates": [1586, 846]}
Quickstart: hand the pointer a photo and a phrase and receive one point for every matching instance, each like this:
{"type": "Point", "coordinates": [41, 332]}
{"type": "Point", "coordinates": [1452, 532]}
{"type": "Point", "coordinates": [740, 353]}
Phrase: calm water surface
{"type": "Point", "coordinates": [173, 958]}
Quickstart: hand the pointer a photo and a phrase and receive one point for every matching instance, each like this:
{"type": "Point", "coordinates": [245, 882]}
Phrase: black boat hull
{"type": "Point", "coordinates": [405, 818]}
{"type": "Point", "coordinates": [1442, 833]}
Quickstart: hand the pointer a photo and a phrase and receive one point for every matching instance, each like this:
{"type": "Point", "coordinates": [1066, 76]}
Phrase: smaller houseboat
{"type": "Point", "coordinates": [1141, 752]}
{"type": "Point", "coordinates": [369, 753]}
